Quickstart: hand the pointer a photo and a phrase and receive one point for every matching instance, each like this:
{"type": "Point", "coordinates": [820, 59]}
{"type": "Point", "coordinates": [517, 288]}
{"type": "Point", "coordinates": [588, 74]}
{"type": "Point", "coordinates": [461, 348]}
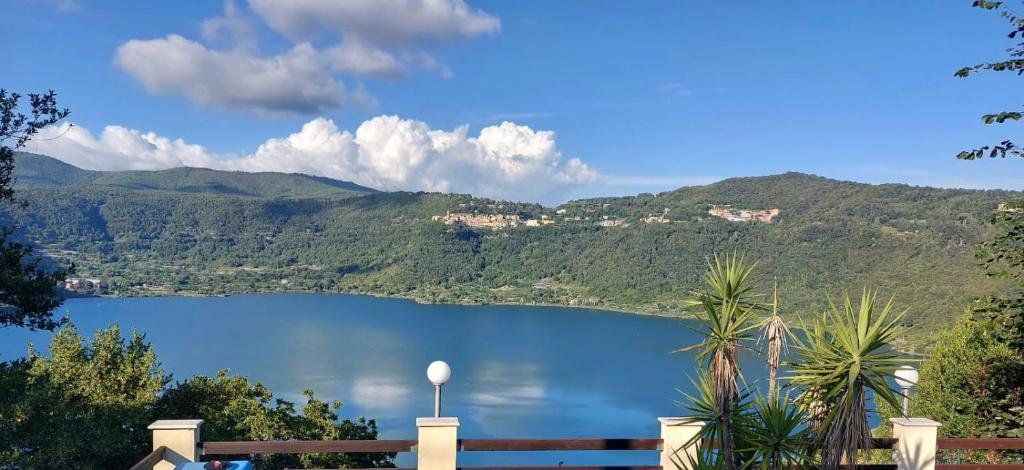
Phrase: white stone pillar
{"type": "Point", "coordinates": [916, 443]}
{"type": "Point", "coordinates": [438, 443]}
{"type": "Point", "coordinates": [181, 437]}
{"type": "Point", "coordinates": [676, 433]}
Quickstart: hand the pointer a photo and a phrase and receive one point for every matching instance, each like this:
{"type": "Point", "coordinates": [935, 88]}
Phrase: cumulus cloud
{"type": "Point", "coordinates": [505, 161]}
{"type": "Point", "coordinates": [360, 39]}
{"type": "Point", "coordinates": [295, 81]}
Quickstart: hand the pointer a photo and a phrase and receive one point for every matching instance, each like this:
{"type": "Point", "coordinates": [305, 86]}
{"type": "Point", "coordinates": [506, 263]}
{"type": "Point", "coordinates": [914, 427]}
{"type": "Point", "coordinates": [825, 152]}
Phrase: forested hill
{"type": "Point", "coordinates": [35, 171]}
{"type": "Point", "coordinates": [211, 232]}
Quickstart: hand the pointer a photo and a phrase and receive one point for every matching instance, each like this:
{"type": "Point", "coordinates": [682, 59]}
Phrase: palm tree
{"type": "Point", "coordinates": [840, 362]}
{"type": "Point", "coordinates": [774, 333]}
{"type": "Point", "coordinates": [727, 313]}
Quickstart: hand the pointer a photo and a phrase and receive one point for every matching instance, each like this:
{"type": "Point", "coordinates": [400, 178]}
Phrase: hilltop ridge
{"type": "Point", "coordinates": [34, 171]}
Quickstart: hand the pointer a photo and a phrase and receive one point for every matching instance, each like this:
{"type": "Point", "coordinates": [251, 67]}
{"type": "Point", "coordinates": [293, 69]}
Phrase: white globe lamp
{"type": "Point", "coordinates": [906, 378]}
{"type": "Point", "coordinates": [438, 373]}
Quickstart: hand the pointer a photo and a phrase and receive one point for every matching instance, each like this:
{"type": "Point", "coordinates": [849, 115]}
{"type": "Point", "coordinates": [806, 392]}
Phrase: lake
{"type": "Point", "coordinates": [517, 372]}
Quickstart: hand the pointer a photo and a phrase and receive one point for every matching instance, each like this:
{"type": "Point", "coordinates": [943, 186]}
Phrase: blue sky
{"type": "Point", "coordinates": [648, 96]}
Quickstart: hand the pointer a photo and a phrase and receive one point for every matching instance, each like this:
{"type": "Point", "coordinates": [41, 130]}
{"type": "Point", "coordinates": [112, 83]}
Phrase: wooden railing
{"type": "Point", "coordinates": [306, 447]}
{"type": "Point", "coordinates": [452, 445]}
{"type": "Point", "coordinates": [980, 444]}
{"type": "Point", "coordinates": [506, 445]}
{"type": "Point", "coordinates": [150, 460]}
{"type": "Point", "coordinates": [1002, 443]}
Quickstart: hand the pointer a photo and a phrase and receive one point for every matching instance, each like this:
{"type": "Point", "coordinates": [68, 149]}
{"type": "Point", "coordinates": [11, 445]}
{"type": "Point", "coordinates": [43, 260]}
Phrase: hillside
{"type": "Point", "coordinates": [37, 171]}
{"type": "Point", "coordinates": [156, 233]}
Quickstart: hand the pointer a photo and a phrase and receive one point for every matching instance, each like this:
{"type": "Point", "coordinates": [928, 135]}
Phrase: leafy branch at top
{"type": "Point", "coordinates": [16, 128]}
{"type": "Point", "coordinates": [1015, 63]}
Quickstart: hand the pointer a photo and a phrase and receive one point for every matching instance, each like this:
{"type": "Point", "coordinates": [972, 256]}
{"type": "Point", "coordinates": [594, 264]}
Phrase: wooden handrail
{"type": "Point", "coordinates": [306, 447]}
{"type": "Point", "coordinates": [150, 460]}
{"type": "Point", "coordinates": [980, 466]}
{"type": "Point", "coordinates": [604, 467]}
{"type": "Point", "coordinates": [1001, 443]}
{"type": "Point", "coordinates": [658, 467]}
{"type": "Point", "coordinates": [473, 445]}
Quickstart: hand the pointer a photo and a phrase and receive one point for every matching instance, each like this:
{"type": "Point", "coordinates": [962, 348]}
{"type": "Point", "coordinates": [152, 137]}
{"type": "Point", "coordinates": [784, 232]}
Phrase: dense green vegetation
{"type": "Point", "coordinates": [161, 235]}
{"type": "Point", "coordinates": [28, 291]}
{"type": "Point", "coordinates": [87, 407]}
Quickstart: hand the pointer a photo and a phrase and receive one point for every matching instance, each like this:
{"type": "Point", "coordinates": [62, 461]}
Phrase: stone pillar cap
{"type": "Point", "coordinates": [176, 424]}
{"type": "Point", "coordinates": [680, 421]}
{"type": "Point", "coordinates": [437, 422]}
{"type": "Point", "coordinates": [915, 422]}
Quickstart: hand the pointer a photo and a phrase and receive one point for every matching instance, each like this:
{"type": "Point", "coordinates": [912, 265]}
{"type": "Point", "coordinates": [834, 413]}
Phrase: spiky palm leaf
{"type": "Point", "coordinates": [727, 279]}
{"type": "Point", "coordinates": [774, 433]}
{"type": "Point", "coordinates": [844, 354]}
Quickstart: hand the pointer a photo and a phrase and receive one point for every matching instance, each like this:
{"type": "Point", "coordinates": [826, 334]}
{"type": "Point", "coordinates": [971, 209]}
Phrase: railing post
{"type": "Point", "coordinates": [676, 433]}
{"type": "Point", "coordinates": [180, 436]}
{"type": "Point", "coordinates": [438, 443]}
{"type": "Point", "coordinates": [916, 443]}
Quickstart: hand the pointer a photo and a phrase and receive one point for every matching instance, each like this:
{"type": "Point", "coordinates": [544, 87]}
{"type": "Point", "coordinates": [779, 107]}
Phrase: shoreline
{"type": "Point", "coordinates": [622, 310]}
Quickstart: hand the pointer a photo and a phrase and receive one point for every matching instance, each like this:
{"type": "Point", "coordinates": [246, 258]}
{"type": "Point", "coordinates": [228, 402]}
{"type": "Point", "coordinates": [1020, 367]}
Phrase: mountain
{"type": "Point", "coordinates": [38, 171]}
{"type": "Point", "coordinates": [213, 232]}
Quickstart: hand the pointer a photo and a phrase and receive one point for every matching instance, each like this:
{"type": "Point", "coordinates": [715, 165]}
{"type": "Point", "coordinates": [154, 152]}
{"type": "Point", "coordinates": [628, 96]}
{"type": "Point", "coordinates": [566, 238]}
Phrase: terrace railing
{"type": "Point", "coordinates": [915, 446]}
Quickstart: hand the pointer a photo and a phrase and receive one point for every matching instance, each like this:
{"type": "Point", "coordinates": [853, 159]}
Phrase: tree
{"type": "Point", "coordinates": [972, 381]}
{"type": "Point", "coordinates": [977, 368]}
{"type": "Point", "coordinates": [727, 312]}
{"type": "Point", "coordinates": [846, 354]}
{"type": "Point", "coordinates": [774, 332]}
{"type": "Point", "coordinates": [28, 292]}
{"type": "Point", "coordinates": [87, 406]}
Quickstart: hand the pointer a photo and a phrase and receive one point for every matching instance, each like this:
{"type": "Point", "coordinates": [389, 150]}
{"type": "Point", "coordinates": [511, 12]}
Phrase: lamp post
{"type": "Point", "coordinates": [438, 373]}
{"type": "Point", "coordinates": [906, 378]}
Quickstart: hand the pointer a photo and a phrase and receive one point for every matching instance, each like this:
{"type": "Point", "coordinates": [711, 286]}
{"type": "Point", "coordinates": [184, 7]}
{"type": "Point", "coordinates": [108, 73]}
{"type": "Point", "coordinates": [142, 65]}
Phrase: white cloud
{"type": "Point", "coordinates": [118, 148]}
{"type": "Point", "coordinates": [295, 81]}
{"type": "Point", "coordinates": [365, 38]}
{"type": "Point", "coordinates": [506, 161]}
{"type": "Point", "coordinates": [234, 29]}
{"type": "Point", "coordinates": [357, 58]}
{"type": "Point", "coordinates": [379, 22]}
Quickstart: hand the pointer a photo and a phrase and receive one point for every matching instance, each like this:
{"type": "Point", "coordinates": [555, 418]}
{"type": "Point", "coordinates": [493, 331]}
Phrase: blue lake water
{"type": "Point", "coordinates": [518, 372]}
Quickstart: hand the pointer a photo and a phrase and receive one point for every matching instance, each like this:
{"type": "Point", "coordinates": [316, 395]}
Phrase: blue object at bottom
{"type": "Point", "coordinates": [233, 465]}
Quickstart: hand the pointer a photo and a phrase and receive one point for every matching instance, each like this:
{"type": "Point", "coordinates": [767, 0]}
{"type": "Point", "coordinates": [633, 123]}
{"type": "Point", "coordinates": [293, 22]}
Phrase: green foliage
{"type": "Point", "coordinates": [87, 406]}
{"type": "Point", "coordinates": [27, 290]}
{"type": "Point", "coordinates": [1003, 255]}
{"type": "Point", "coordinates": [973, 381]}
{"type": "Point", "coordinates": [847, 353]}
{"type": "Point", "coordinates": [775, 432]}
{"type": "Point", "coordinates": [1015, 63]}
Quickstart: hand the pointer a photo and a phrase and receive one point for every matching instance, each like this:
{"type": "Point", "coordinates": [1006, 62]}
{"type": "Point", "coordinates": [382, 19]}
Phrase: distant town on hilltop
{"type": "Point", "coordinates": [499, 221]}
